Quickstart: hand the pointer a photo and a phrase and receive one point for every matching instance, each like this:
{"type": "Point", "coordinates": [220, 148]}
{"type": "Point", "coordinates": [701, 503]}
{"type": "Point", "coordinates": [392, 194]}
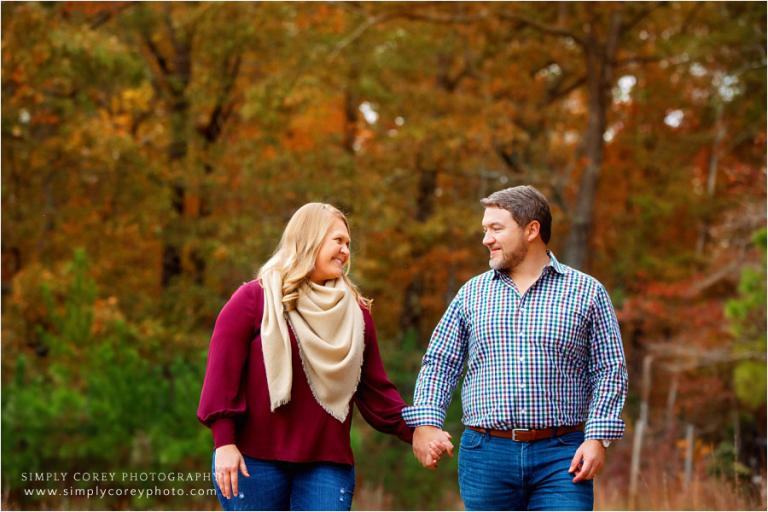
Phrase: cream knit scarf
{"type": "Point", "coordinates": [328, 325]}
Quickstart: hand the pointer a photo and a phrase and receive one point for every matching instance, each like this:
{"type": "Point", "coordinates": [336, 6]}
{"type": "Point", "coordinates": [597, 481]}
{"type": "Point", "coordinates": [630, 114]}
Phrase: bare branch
{"type": "Point", "coordinates": [138, 120]}
{"type": "Point", "coordinates": [510, 158]}
{"type": "Point", "coordinates": [638, 17]}
{"type": "Point", "coordinates": [353, 7]}
{"type": "Point", "coordinates": [681, 356]}
{"type": "Point", "coordinates": [403, 14]}
{"type": "Point", "coordinates": [107, 14]}
{"type": "Point", "coordinates": [436, 18]}
{"type": "Point", "coordinates": [727, 273]}
{"type": "Point", "coordinates": [566, 90]}
{"type": "Point", "coordinates": [223, 107]}
{"type": "Point", "coordinates": [155, 51]}
{"type": "Point", "coordinates": [546, 29]}
{"type": "Point", "coordinates": [356, 34]}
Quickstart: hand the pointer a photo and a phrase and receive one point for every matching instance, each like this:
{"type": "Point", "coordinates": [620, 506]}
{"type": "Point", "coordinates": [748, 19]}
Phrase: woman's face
{"type": "Point", "coordinates": [333, 255]}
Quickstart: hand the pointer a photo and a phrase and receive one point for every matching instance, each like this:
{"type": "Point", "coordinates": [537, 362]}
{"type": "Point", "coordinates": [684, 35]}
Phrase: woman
{"type": "Point", "coordinates": [290, 352]}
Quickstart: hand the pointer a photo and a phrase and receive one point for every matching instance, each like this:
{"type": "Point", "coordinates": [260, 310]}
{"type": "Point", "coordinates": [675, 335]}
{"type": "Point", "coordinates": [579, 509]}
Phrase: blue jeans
{"type": "Point", "coordinates": [276, 485]}
{"type": "Point", "coordinates": [501, 474]}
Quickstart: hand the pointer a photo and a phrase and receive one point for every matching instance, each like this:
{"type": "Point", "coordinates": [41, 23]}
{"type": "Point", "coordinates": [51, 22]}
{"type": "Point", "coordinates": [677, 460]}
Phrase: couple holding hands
{"type": "Point", "coordinates": [292, 350]}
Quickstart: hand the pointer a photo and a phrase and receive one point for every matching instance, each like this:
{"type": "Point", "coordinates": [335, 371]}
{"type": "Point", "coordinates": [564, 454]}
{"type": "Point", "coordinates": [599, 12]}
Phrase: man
{"type": "Point", "coordinates": [546, 377]}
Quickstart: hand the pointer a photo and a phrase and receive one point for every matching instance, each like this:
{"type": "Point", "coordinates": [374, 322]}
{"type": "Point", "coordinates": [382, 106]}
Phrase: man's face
{"type": "Point", "coordinates": [504, 238]}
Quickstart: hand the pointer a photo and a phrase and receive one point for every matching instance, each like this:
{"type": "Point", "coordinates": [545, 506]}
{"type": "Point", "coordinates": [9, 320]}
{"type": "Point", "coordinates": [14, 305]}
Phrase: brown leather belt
{"type": "Point", "coordinates": [528, 434]}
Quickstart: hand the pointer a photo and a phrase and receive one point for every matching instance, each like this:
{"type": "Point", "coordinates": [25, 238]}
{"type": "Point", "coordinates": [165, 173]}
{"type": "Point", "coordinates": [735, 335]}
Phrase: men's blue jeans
{"type": "Point", "coordinates": [501, 474]}
{"type": "Point", "coordinates": [276, 485]}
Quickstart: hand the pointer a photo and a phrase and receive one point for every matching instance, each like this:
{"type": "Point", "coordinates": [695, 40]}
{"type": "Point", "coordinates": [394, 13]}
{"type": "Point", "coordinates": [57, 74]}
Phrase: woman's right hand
{"type": "Point", "coordinates": [228, 461]}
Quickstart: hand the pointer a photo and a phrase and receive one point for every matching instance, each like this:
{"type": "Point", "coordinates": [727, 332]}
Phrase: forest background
{"type": "Point", "coordinates": [153, 152]}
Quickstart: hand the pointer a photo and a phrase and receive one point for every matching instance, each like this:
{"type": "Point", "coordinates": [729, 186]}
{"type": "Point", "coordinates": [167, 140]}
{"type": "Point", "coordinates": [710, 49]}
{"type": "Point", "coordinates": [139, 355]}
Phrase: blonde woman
{"type": "Point", "coordinates": [290, 352]}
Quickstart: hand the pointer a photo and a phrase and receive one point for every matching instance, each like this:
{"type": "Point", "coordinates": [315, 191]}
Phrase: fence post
{"type": "Point", "coordinates": [640, 427]}
{"type": "Point", "coordinates": [671, 399]}
{"type": "Point", "coordinates": [689, 440]}
{"type": "Point", "coordinates": [634, 470]}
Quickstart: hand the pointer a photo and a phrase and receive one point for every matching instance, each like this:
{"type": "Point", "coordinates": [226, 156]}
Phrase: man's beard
{"type": "Point", "coordinates": [509, 261]}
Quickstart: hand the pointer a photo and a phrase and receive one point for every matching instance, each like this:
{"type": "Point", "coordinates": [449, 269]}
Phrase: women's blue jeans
{"type": "Point", "coordinates": [501, 474]}
{"type": "Point", "coordinates": [276, 485]}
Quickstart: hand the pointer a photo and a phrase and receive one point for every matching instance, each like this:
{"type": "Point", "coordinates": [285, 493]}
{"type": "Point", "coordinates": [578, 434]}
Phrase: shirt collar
{"type": "Point", "coordinates": [559, 268]}
{"type": "Point", "coordinates": [553, 263]}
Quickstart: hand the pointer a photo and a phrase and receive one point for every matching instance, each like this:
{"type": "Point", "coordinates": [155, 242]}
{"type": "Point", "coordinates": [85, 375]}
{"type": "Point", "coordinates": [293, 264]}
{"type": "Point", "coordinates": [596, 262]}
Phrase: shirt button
{"type": "Point", "coordinates": [522, 411]}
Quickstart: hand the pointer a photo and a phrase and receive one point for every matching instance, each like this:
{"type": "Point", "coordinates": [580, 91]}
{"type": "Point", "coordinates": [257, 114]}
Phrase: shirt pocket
{"type": "Point", "coordinates": [490, 331]}
{"type": "Point", "coordinates": [564, 334]}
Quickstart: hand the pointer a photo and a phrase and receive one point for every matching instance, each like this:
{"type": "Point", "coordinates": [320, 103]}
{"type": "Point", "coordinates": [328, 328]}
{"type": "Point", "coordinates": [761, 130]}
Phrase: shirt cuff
{"type": "Point", "coordinates": [223, 432]}
{"type": "Point", "coordinates": [604, 428]}
{"type": "Point", "coordinates": [421, 415]}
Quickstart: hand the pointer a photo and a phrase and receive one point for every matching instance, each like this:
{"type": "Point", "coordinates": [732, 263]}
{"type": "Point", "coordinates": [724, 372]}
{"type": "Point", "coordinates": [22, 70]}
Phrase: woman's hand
{"type": "Point", "coordinates": [429, 443]}
{"type": "Point", "coordinates": [228, 461]}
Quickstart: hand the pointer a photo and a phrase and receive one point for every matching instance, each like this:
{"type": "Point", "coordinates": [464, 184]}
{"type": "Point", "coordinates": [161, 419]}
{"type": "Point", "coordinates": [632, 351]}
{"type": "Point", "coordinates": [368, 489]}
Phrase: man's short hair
{"type": "Point", "coordinates": [526, 204]}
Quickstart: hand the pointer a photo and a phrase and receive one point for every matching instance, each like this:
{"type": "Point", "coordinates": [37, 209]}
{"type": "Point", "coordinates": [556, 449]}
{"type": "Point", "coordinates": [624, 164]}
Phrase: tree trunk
{"type": "Point", "coordinates": [736, 442]}
{"type": "Point", "coordinates": [410, 316]}
{"type": "Point", "coordinates": [210, 132]}
{"type": "Point", "coordinates": [177, 152]}
{"type": "Point", "coordinates": [177, 79]}
{"type": "Point", "coordinates": [714, 155]}
{"type": "Point", "coordinates": [599, 63]}
{"type": "Point", "coordinates": [12, 258]}
{"type": "Point", "coordinates": [351, 113]}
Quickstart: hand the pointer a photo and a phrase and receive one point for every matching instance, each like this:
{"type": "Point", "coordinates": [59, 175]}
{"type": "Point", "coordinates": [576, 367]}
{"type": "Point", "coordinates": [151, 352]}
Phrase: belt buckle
{"type": "Point", "coordinates": [516, 430]}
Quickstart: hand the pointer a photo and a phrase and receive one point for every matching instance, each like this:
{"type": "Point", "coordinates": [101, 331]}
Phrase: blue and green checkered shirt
{"type": "Point", "coordinates": [551, 357]}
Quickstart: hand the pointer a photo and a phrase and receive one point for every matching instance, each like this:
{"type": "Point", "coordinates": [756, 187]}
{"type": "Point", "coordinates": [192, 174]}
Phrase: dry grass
{"type": "Point", "coordinates": [660, 488]}
{"type": "Point", "coordinates": [375, 498]}
{"type": "Point", "coordinates": [661, 492]}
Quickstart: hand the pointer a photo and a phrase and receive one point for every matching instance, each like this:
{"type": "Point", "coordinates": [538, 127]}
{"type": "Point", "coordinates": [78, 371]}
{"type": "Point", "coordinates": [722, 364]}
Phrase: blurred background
{"type": "Point", "coordinates": [153, 152]}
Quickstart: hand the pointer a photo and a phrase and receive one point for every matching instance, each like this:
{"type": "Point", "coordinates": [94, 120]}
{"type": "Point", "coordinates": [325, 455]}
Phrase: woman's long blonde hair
{"type": "Point", "coordinates": [297, 251]}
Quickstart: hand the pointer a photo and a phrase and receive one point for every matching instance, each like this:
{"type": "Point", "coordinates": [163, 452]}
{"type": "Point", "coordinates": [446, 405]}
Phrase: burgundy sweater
{"type": "Point", "coordinates": [234, 401]}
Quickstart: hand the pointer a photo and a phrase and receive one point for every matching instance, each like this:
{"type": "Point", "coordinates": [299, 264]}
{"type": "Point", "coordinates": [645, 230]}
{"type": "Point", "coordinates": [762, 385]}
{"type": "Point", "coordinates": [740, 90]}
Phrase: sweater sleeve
{"type": "Point", "coordinates": [377, 398]}
{"type": "Point", "coordinates": [222, 398]}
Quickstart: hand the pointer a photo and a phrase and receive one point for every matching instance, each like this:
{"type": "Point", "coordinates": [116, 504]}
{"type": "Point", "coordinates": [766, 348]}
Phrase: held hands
{"type": "Point", "coordinates": [588, 460]}
{"type": "Point", "coordinates": [429, 444]}
{"type": "Point", "coordinates": [228, 461]}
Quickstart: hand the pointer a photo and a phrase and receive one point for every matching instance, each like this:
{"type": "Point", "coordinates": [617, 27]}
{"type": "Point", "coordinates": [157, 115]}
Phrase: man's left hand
{"type": "Point", "coordinates": [588, 460]}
